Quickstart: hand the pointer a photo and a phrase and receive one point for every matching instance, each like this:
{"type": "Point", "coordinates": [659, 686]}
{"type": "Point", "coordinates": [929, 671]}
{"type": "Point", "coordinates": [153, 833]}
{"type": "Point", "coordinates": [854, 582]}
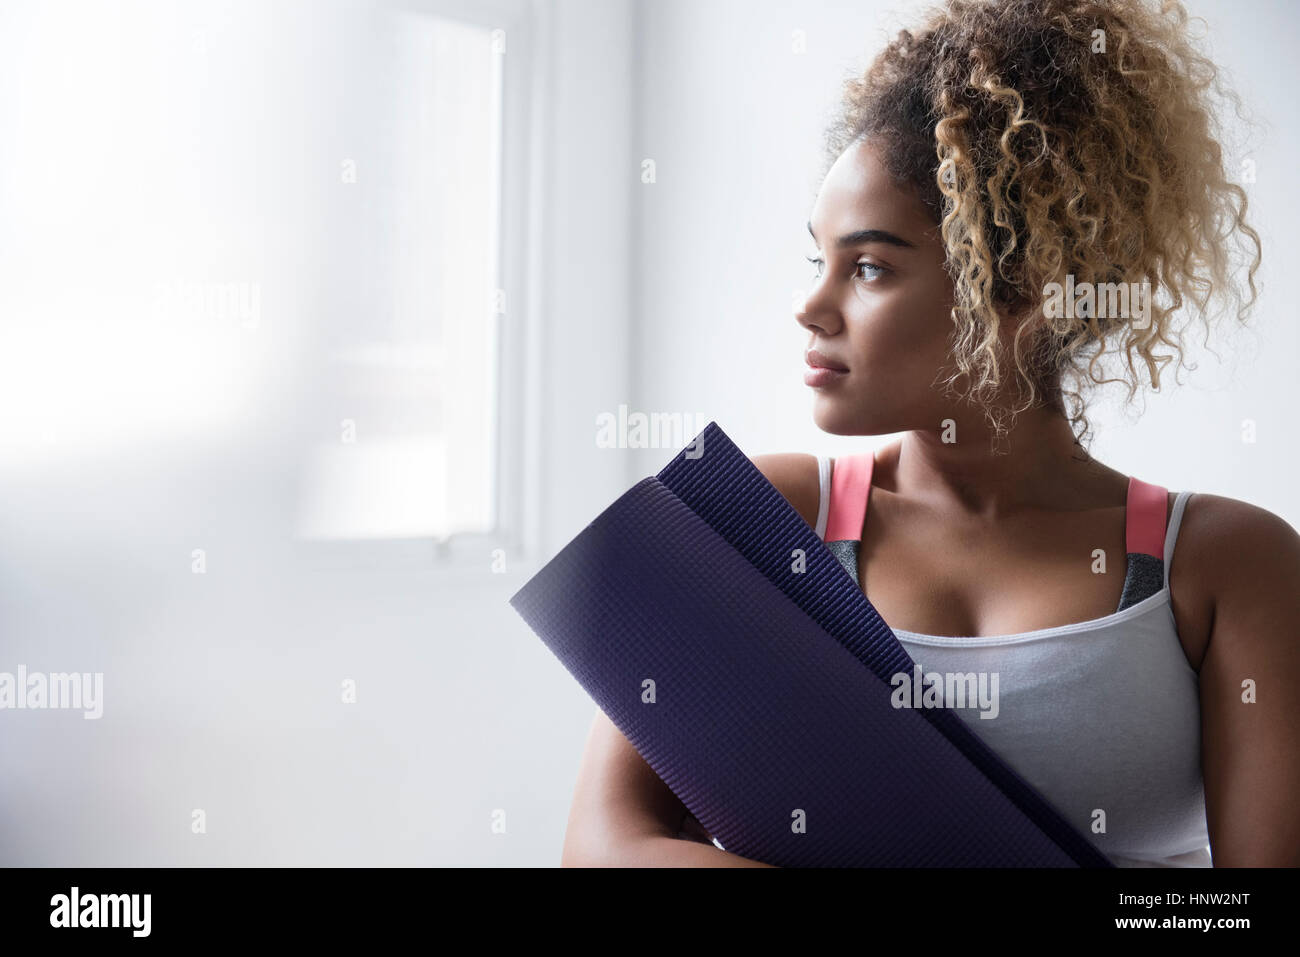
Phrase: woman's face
{"type": "Point", "coordinates": [879, 305]}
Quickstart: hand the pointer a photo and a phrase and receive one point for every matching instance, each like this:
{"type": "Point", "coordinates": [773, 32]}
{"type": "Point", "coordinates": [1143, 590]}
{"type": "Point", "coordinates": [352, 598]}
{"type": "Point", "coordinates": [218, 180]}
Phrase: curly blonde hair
{"type": "Point", "coordinates": [1056, 140]}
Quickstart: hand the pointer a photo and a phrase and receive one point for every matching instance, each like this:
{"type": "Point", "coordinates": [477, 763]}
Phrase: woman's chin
{"type": "Point", "coordinates": [835, 416]}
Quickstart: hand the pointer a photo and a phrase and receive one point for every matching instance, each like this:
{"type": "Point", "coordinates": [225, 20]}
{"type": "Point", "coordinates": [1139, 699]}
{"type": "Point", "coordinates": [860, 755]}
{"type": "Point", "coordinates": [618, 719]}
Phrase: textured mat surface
{"type": "Point", "coordinates": [761, 695]}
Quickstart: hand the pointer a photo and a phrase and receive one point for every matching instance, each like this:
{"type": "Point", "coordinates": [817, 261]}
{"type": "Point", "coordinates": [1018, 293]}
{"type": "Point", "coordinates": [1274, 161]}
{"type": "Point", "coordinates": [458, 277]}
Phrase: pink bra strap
{"type": "Point", "coordinates": [1144, 518]}
{"type": "Point", "coordinates": [850, 486]}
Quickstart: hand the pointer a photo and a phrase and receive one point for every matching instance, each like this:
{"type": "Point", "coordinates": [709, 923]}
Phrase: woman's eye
{"type": "Point", "coordinates": [875, 272]}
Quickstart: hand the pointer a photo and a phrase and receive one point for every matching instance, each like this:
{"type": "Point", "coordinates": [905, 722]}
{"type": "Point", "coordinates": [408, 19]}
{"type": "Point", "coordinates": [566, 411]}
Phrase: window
{"type": "Point", "coordinates": [414, 423]}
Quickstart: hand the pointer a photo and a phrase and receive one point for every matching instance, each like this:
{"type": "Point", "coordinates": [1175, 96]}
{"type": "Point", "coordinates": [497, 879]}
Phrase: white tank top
{"type": "Point", "coordinates": [1101, 716]}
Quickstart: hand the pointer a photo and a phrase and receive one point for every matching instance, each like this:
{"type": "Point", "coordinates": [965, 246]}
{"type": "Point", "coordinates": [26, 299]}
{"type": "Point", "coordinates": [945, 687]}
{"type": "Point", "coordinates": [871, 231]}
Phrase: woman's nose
{"type": "Point", "coordinates": [815, 314]}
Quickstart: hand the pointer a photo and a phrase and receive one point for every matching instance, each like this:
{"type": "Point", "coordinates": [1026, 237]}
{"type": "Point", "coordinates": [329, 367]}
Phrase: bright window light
{"type": "Point", "coordinates": [411, 450]}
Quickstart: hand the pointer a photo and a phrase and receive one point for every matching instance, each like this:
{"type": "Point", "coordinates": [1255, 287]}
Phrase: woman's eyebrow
{"type": "Point", "coordinates": [862, 236]}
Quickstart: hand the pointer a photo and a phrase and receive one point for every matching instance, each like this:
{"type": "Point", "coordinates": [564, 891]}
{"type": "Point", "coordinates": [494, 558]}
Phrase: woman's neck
{"type": "Point", "coordinates": [1039, 465]}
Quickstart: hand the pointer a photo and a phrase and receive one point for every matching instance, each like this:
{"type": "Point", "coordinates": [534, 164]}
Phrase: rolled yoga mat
{"type": "Point", "coordinates": [761, 694]}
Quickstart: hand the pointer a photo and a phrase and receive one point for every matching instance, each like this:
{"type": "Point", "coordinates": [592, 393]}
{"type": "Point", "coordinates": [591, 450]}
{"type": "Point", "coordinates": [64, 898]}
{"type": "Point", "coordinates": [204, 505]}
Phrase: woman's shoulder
{"type": "Point", "coordinates": [1233, 563]}
{"type": "Point", "coordinates": [795, 476]}
{"type": "Point", "coordinates": [1227, 540]}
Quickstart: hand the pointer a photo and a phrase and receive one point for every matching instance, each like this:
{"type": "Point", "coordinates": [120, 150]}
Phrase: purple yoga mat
{"type": "Point", "coordinates": [779, 736]}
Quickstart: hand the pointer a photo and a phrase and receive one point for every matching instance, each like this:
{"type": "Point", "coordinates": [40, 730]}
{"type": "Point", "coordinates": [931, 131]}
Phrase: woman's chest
{"type": "Point", "coordinates": [931, 578]}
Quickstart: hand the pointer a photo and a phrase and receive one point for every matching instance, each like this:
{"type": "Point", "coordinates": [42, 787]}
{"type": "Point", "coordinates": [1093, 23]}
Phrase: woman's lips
{"type": "Point", "coordinates": [822, 370]}
{"type": "Point", "coordinates": [820, 378]}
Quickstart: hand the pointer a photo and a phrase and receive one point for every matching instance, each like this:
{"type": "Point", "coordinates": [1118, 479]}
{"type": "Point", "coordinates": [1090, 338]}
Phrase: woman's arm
{"type": "Point", "coordinates": [623, 815]}
{"type": "Point", "coordinates": [1250, 752]}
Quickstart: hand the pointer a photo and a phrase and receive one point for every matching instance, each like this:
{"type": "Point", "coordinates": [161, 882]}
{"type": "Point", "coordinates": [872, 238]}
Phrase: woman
{"type": "Point", "coordinates": [1025, 194]}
